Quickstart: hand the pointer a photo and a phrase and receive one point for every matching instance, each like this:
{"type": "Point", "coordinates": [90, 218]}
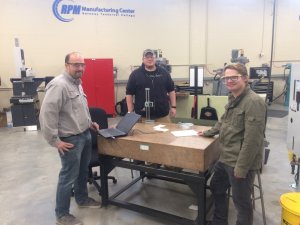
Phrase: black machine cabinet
{"type": "Point", "coordinates": [24, 114]}
{"type": "Point", "coordinates": [264, 88]}
{"type": "Point", "coordinates": [25, 103]}
{"type": "Point", "coordinates": [189, 89]}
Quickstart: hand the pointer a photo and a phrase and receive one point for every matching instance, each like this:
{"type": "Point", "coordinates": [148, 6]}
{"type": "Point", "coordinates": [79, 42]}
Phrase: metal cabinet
{"type": "Point", "coordinates": [98, 84]}
{"type": "Point", "coordinates": [293, 139]}
{"type": "Point", "coordinates": [24, 114]}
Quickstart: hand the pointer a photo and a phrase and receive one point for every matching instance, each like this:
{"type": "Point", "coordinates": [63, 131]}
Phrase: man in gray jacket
{"type": "Point", "coordinates": [241, 134]}
{"type": "Point", "coordinates": [65, 122]}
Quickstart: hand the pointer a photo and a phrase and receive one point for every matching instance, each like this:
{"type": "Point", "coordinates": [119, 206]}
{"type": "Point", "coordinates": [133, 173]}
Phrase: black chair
{"type": "Point", "coordinates": [99, 116]}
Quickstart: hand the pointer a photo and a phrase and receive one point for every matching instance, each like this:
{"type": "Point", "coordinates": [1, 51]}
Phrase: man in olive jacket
{"type": "Point", "coordinates": [241, 134]}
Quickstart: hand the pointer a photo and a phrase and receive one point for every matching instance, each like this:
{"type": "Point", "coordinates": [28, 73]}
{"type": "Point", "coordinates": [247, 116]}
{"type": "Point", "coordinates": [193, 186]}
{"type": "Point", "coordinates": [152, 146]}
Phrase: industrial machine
{"type": "Point", "coordinates": [161, 61]}
{"type": "Point", "coordinates": [24, 101]}
{"type": "Point", "coordinates": [237, 56]}
{"type": "Point", "coordinates": [148, 105]}
{"type": "Point", "coordinates": [21, 69]}
{"type": "Point", "coordinates": [293, 140]}
{"type": "Point", "coordinates": [257, 74]}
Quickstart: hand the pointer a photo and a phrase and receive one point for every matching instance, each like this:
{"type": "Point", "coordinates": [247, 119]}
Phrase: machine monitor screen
{"type": "Point", "coordinates": [259, 72]}
{"type": "Point", "coordinates": [200, 76]}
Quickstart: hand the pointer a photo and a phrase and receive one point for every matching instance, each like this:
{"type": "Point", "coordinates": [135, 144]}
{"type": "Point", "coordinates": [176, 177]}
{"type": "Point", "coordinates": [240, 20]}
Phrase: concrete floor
{"type": "Point", "coordinates": [29, 170]}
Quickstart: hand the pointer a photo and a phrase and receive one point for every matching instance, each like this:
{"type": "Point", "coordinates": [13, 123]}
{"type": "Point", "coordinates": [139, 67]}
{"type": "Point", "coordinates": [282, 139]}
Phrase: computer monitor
{"type": "Point", "coordinates": [260, 72]}
{"type": "Point", "coordinates": [200, 76]}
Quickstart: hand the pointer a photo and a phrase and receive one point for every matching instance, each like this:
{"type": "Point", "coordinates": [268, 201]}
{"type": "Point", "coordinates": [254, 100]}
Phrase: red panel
{"type": "Point", "coordinates": [98, 84]}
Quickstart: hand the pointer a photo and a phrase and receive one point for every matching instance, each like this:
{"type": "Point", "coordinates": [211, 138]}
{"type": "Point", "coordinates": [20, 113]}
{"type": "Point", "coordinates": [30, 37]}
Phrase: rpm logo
{"type": "Point", "coordinates": [65, 12]}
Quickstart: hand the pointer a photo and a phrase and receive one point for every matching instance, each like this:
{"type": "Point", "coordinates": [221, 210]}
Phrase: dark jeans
{"type": "Point", "coordinates": [74, 172]}
{"type": "Point", "coordinates": [293, 169]}
{"type": "Point", "coordinates": [241, 189]}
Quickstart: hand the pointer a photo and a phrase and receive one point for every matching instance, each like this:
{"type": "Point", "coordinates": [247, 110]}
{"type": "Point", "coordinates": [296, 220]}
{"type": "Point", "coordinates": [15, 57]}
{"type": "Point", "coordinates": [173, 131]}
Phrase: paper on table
{"type": "Point", "coordinates": [184, 133]}
{"type": "Point", "coordinates": [160, 128]}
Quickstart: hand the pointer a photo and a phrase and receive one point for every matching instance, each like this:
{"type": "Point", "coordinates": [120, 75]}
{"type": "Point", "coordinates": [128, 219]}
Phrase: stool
{"type": "Point", "coordinates": [261, 196]}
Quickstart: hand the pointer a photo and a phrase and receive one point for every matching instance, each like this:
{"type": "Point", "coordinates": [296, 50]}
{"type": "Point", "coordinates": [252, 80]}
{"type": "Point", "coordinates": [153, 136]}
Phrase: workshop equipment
{"type": "Point", "coordinates": [148, 105]}
{"type": "Point", "coordinates": [25, 103]}
{"type": "Point", "coordinates": [193, 153]}
{"type": "Point", "coordinates": [21, 69]}
{"type": "Point", "coordinates": [293, 140]}
{"type": "Point", "coordinates": [287, 78]}
{"type": "Point", "coordinates": [208, 112]}
{"type": "Point", "coordinates": [98, 84]}
{"type": "Point", "coordinates": [121, 107]}
{"type": "Point", "coordinates": [237, 56]}
{"type": "Point", "coordinates": [196, 77]}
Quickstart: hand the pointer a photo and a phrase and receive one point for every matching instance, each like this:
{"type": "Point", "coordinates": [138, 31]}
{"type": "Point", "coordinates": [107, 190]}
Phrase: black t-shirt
{"type": "Point", "coordinates": [159, 83]}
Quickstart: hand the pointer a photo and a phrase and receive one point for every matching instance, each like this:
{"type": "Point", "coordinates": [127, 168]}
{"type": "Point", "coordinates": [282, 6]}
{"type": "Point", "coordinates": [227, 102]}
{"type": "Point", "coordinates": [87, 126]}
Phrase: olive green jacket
{"type": "Point", "coordinates": [241, 132]}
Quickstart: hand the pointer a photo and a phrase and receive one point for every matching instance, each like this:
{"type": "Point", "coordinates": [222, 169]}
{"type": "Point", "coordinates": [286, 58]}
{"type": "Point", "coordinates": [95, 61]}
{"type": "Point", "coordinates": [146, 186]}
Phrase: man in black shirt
{"type": "Point", "coordinates": [161, 89]}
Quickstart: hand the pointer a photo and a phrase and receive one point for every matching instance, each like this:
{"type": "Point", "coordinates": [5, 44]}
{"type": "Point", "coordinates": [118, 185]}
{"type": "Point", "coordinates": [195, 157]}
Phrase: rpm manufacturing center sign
{"type": "Point", "coordinates": [68, 10]}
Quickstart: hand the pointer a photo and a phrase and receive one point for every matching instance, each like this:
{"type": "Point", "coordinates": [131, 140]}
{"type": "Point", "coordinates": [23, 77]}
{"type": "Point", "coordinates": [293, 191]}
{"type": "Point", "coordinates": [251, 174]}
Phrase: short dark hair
{"type": "Point", "coordinates": [240, 68]}
{"type": "Point", "coordinates": [67, 58]}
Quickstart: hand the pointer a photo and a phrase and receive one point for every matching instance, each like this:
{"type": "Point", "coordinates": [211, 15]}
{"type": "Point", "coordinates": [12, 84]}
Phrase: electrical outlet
{"type": "Point", "coordinates": [261, 54]}
{"type": "Point", "coordinates": [144, 147]}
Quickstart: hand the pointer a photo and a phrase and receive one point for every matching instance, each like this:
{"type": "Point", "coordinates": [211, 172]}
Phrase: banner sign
{"type": "Point", "coordinates": [67, 10]}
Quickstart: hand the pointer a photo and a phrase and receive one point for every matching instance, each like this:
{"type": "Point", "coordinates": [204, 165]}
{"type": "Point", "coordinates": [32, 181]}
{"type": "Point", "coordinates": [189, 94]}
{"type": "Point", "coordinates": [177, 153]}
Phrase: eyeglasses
{"type": "Point", "coordinates": [231, 78]}
{"type": "Point", "coordinates": [77, 65]}
{"type": "Point", "coordinates": [149, 57]}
